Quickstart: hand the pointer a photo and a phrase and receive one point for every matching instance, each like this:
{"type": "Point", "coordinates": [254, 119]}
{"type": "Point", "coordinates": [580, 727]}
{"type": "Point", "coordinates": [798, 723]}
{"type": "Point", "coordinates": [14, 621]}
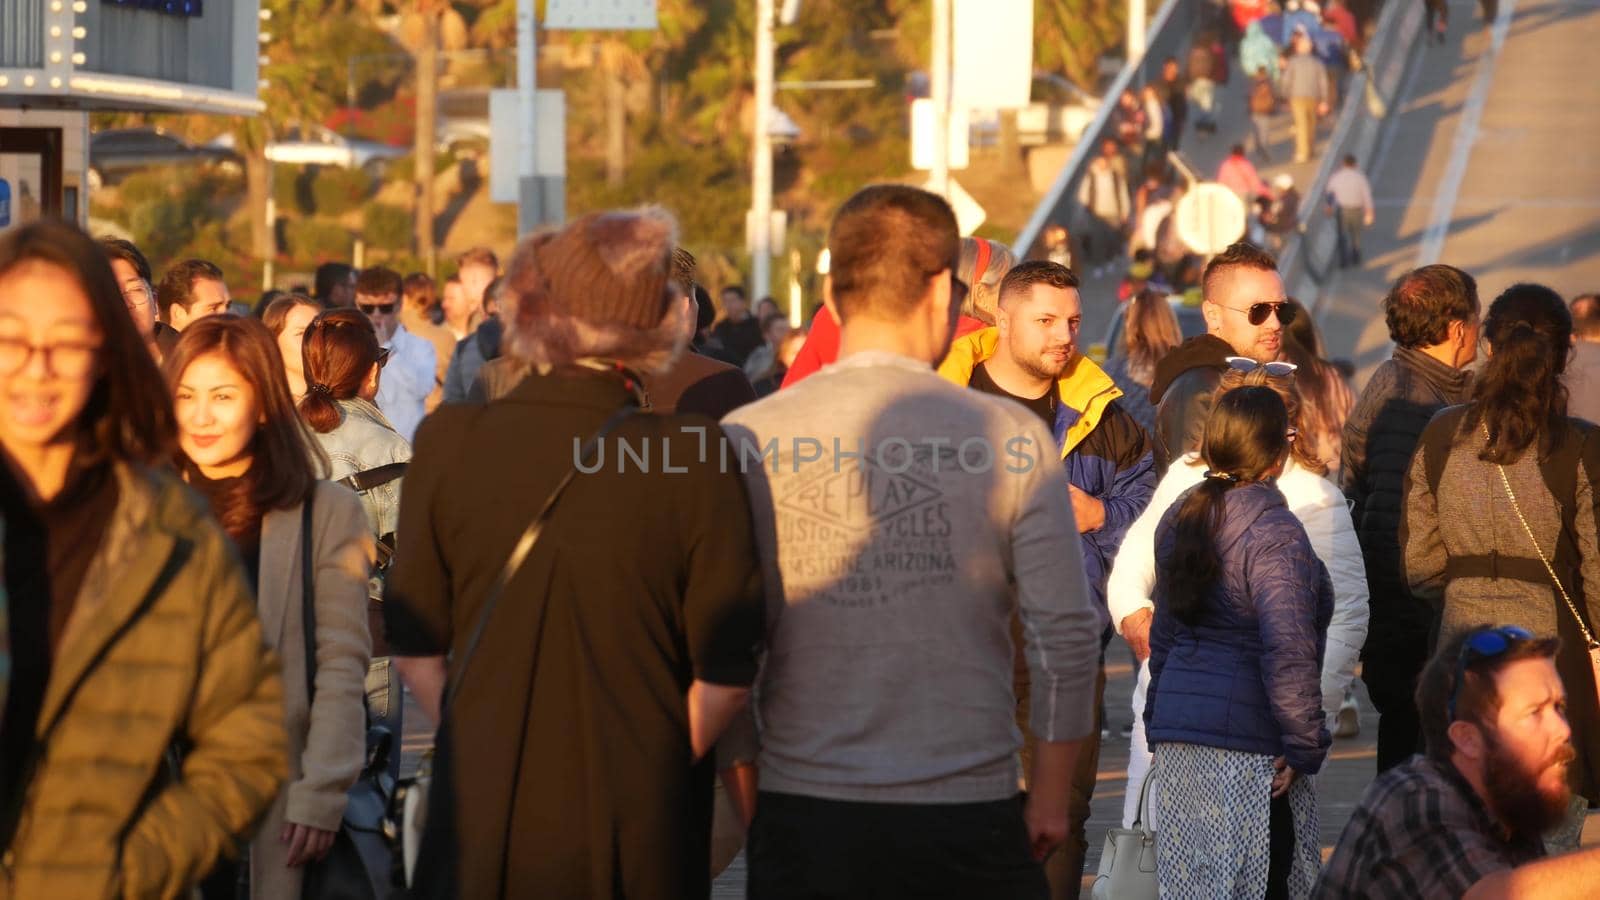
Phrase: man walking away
{"type": "Point", "coordinates": [1103, 194]}
{"type": "Point", "coordinates": [888, 740]}
{"type": "Point", "coordinates": [1263, 107]}
{"type": "Point", "coordinates": [1305, 83]}
{"type": "Point", "coordinates": [1583, 371]}
{"type": "Point", "coordinates": [1350, 199]}
{"type": "Point", "coordinates": [1432, 313]}
{"type": "Point", "coordinates": [1031, 356]}
{"type": "Point", "coordinates": [1467, 819]}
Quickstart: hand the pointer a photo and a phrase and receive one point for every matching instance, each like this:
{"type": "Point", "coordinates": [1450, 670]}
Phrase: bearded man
{"type": "Point", "coordinates": [1467, 818]}
{"type": "Point", "coordinates": [1031, 356]}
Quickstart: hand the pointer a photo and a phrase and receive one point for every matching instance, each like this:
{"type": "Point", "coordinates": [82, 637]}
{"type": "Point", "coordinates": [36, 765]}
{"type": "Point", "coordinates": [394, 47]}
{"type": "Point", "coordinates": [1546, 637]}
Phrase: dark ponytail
{"type": "Point", "coordinates": [1246, 437]}
{"type": "Point", "coordinates": [1519, 394]}
{"type": "Point", "coordinates": [340, 349]}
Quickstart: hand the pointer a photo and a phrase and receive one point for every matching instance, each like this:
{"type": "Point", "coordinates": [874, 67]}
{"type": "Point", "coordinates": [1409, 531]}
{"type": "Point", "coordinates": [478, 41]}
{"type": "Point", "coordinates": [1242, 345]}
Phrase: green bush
{"type": "Point", "coordinates": [337, 191]}
{"type": "Point", "coordinates": [386, 227]}
{"type": "Point", "coordinates": [291, 189]}
{"type": "Point", "coordinates": [318, 240]}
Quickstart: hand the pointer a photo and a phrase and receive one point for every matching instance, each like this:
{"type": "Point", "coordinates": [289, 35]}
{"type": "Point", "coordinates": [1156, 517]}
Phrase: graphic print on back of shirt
{"type": "Point", "coordinates": [867, 533]}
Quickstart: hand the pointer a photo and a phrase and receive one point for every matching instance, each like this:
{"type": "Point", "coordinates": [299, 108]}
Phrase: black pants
{"type": "Point", "coordinates": [1391, 680]}
{"type": "Point", "coordinates": [803, 847]}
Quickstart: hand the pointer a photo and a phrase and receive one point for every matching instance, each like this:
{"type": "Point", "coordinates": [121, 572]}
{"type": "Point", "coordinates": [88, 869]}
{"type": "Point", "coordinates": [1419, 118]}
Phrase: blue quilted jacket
{"type": "Point", "coordinates": [1247, 675]}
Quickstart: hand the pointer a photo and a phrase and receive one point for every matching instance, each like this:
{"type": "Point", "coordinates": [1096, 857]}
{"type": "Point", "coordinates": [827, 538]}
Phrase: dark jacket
{"type": "Point", "coordinates": [563, 768]}
{"type": "Point", "coordinates": [1380, 437]}
{"type": "Point", "coordinates": [1247, 675]}
{"type": "Point", "coordinates": [474, 350]}
{"type": "Point", "coordinates": [1181, 391]}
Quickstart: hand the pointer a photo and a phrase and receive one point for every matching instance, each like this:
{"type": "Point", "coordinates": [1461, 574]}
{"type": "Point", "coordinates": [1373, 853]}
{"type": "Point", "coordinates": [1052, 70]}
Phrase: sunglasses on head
{"type": "Point", "coordinates": [1485, 643]}
{"type": "Point", "coordinates": [370, 308]}
{"type": "Point", "coordinates": [1257, 312]}
{"type": "Point", "coordinates": [1275, 369]}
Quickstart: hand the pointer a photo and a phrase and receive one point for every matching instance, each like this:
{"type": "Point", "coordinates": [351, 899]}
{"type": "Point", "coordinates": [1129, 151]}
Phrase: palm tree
{"type": "Point", "coordinates": [424, 27]}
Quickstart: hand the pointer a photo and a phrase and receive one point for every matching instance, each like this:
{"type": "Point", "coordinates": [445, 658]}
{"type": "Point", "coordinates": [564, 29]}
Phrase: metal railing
{"type": "Point", "coordinates": [1168, 35]}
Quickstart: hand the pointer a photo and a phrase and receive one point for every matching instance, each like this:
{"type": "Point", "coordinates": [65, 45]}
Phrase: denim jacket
{"type": "Point", "coordinates": [365, 440]}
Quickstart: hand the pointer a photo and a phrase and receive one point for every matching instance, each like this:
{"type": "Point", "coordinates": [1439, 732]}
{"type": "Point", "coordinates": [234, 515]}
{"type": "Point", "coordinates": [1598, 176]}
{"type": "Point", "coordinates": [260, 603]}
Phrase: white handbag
{"type": "Point", "coordinates": [1128, 862]}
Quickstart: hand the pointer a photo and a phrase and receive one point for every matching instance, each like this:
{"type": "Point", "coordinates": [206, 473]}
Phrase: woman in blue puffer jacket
{"type": "Point", "coordinates": [1235, 701]}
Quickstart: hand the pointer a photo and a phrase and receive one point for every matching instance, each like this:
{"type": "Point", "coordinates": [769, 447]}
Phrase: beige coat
{"type": "Point", "coordinates": [162, 643]}
{"type": "Point", "coordinates": [327, 741]}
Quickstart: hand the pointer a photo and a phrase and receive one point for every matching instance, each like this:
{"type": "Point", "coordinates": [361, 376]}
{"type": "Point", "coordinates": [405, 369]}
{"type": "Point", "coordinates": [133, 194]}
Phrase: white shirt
{"type": "Point", "coordinates": [406, 381]}
{"type": "Point", "coordinates": [1349, 189]}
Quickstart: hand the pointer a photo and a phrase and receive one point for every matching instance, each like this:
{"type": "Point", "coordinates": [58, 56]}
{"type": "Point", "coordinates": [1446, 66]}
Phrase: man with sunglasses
{"type": "Point", "coordinates": [1245, 311]}
{"type": "Point", "coordinates": [410, 370]}
{"type": "Point", "coordinates": [1467, 818]}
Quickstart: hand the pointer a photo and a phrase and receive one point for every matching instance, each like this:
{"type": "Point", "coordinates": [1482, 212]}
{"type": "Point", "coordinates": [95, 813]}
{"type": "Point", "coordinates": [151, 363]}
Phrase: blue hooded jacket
{"type": "Point", "coordinates": [1247, 675]}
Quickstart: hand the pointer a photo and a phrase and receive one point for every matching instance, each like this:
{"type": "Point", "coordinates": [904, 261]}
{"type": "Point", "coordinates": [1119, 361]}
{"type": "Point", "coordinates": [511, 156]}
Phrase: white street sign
{"type": "Point", "coordinates": [922, 128]}
{"type": "Point", "coordinates": [1209, 218]}
{"type": "Point", "coordinates": [969, 215]}
{"type": "Point", "coordinates": [993, 67]}
{"type": "Point", "coordinates": [600, 15]}
{"type": "Point", "coordinates": [505, 140]}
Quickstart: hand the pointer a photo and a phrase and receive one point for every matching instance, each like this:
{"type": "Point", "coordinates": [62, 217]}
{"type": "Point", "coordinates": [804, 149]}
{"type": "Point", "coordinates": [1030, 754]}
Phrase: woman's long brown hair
{"type": "Point", "coordinates": [285, 460]}
{"type": "Point", "coordinates": [340, 349]}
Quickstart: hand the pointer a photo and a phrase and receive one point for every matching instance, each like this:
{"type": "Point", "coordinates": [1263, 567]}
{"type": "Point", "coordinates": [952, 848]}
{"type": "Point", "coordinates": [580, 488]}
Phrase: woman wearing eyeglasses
{"type": "Point", "coordinates": [343, 365]}
{"type": "Point", "coordinates": [246, 451]}
{"type": "Point", "coordinates": [1313, 500]}
{"type": "Point", "coordinates": [131, 627]}
{"type": "Point", "coordinates": [1500, 515]}
{"type": "Point", "coordinates": [1235, 716]}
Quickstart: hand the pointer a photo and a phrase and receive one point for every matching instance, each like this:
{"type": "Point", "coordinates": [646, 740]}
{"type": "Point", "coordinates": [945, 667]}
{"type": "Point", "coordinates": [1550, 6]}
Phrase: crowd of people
{"type": "Point", "coordinates": [863, 577]}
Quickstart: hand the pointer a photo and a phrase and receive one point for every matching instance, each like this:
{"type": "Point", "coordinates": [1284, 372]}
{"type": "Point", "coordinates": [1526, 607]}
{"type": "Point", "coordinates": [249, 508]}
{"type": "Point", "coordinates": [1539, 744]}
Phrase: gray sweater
{"type": "Point", "coordinates": [892, 578]}
{"type": "Point", "coordinates": [1305, 78]}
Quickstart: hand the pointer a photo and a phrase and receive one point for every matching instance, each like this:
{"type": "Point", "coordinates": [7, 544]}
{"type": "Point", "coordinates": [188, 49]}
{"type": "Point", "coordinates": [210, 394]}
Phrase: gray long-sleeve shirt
{"type": "Point", "coordinates": [891, 579]}
{"type": "Point", "coordinates": [1306, 78]}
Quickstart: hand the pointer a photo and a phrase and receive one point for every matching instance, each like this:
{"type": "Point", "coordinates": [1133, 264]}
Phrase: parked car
{"type": "Point", "coordinates": [314, 145]}
{"type": "Point", "coordinates": [117, 152]}
{"type": "Point", "coordinates": [463, 120]}
{"type": "Point", "coordinates": [1191, 323]}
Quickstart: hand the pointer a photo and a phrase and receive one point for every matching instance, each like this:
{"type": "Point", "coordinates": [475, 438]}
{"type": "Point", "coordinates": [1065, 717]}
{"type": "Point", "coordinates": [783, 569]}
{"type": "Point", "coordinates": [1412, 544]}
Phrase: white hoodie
{"type": "Point", "coordinates": [1319, 506]}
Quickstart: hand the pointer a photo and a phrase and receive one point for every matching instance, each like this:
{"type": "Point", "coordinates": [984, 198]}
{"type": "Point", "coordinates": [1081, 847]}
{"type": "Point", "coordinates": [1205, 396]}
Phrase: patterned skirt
{"type": "Point", "coordinates": [1215, 813]}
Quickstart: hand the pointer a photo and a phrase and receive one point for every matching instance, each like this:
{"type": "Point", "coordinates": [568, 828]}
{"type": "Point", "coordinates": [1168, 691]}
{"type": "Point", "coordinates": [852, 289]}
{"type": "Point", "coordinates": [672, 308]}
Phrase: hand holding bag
{"type": "Point", "coordinates": [1128, 860]}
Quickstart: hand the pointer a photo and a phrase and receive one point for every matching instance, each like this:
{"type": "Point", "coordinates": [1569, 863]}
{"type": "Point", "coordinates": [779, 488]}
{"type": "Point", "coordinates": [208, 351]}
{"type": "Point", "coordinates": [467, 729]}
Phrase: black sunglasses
{"type": "Point", "coordinates": [1485, 643]}
{"type": "Point", "coordinates": [385, 308]}
{"type": "Point", "coordinates": [1258, 312]}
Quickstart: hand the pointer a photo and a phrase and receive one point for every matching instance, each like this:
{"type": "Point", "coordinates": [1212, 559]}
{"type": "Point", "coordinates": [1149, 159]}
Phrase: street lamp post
{"type": "Point", "coordinates": [528, 200]}
{"type": "Point", "coordinates": [761, 164]}
{"type": "Point", "coordinates": [940, 94]}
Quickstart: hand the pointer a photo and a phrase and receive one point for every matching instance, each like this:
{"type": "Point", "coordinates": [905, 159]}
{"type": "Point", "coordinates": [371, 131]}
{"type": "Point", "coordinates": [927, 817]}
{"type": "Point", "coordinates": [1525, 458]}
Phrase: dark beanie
{"type": "Point", "coordinates": [610, 268]}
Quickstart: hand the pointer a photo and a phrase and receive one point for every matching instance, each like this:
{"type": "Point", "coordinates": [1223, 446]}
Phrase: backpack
{"type": "Point", "coordinates": [1263, 99]}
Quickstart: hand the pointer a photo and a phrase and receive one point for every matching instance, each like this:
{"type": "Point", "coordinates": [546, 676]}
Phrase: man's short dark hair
{"type": "Point", "coordinates": [177, 285]}
{"type": "Point", "coordinates": [329, 276]}
{"type": "Point", "coordinates": [736, 290]}
{"type": "Point", "coordinates": [1239, 255]}
{"type": "Point", "coordinates": [1478, 700]}
{"type": "Point", "coordinates": [885, 242]}
{"type": "Point", "coordinates": [1586, 316]}
{"type": "Point", "coordinates": [1350, 159]}
{"type": "Point", "coordinates": [419, 291]}
{"type": "Point", "coordinates": [117, 248]}
{"type": "Point", "coordinates": [1024, 275]}
{"type": "Point", "coordinates": [378, 282]}
{"type": "Point", "coordinates": [1423, 302]}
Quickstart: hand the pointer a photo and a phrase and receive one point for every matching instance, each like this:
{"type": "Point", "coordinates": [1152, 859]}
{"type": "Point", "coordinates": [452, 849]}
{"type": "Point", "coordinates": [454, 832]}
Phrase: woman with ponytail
{"type": "Point", "coordinates": [1242, 606]}
{"type": "Point", "coordinates": [1500, 520]}
{"type": "Point", "coordinates": [343, 363]}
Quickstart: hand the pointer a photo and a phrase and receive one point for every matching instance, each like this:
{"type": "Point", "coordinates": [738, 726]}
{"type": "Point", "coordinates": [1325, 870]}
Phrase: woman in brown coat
{"type": "Point", "coordinates": [130, 622]}
{"type": "Point", "coordinates": [245, 449]}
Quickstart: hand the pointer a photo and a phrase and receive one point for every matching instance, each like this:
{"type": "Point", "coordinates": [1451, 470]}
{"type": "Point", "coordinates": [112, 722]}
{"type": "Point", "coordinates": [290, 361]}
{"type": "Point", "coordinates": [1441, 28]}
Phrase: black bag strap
{"type": "Point", "coordinates": [375, 477]}
{"type": "Point", "coordinates": [519, 555]}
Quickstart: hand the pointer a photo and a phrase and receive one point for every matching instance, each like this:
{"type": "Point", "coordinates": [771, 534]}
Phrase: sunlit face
{"type": "Point", "coordinates": [1528, 747]}
{"type": "Point", "coordinates": [218, 413]}
{"type": "Point", "coordinates": [454, 301]}
{"type": "Point", "coordinates": [291, 341]}
{"type": "Point", "coordinates": [1227, 312]}
{"type": "Point", "coordinates": [138, 296]}
{"type": "Point", "coordinates": [475, 280]}
{"type": "Point", "coordinates": [49, 355]}
{"type": "Point", "coordinates": [210, 299]}
{"type": "Point", "coordinates": [1039, 329]}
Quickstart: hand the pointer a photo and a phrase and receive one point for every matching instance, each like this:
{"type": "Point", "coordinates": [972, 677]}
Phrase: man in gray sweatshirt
{"type": "Point", "coordinates": [1310, 93]}
{"type": "Point", "coordinates": [902, 520]}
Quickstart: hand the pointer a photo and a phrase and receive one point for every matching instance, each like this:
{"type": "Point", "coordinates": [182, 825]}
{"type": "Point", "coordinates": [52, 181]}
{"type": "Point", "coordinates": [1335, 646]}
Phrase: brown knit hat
{"type": "Point", "coordinates": [609, 268]}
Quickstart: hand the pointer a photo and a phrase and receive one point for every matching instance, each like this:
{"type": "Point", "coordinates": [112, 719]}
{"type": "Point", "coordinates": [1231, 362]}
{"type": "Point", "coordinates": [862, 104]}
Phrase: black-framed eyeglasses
{"type": "Point", "coordinates": [1275, 369]}
{"type": "Point", "coordinates": [372, 308]}
{"type": "Point", "coordinates": [135, 295]}
{"type": "Point", "coordinates": [1258, 312]}
{"type": "Point", "coordinates": [1485, 643]}
{"type": "Point", "coordinates": [65, 359]}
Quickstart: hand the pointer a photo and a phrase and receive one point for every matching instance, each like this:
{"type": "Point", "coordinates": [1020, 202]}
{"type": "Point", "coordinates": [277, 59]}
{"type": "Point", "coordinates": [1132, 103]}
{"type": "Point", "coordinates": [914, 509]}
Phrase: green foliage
{"type": "Point", "coordinates": [338, 190]}
{"type": "Point", "coordinates": [317, 240]}
{"type": "Point", "coordinates": [291, 189]}
{"type": "Point", "coordinates": [165, 206]}
{"type": "Point", "coordinates": [386, 227]}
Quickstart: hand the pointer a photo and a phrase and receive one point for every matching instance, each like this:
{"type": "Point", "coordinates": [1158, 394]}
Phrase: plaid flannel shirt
{"type": "Point", "coordinates": [1420, 831]}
